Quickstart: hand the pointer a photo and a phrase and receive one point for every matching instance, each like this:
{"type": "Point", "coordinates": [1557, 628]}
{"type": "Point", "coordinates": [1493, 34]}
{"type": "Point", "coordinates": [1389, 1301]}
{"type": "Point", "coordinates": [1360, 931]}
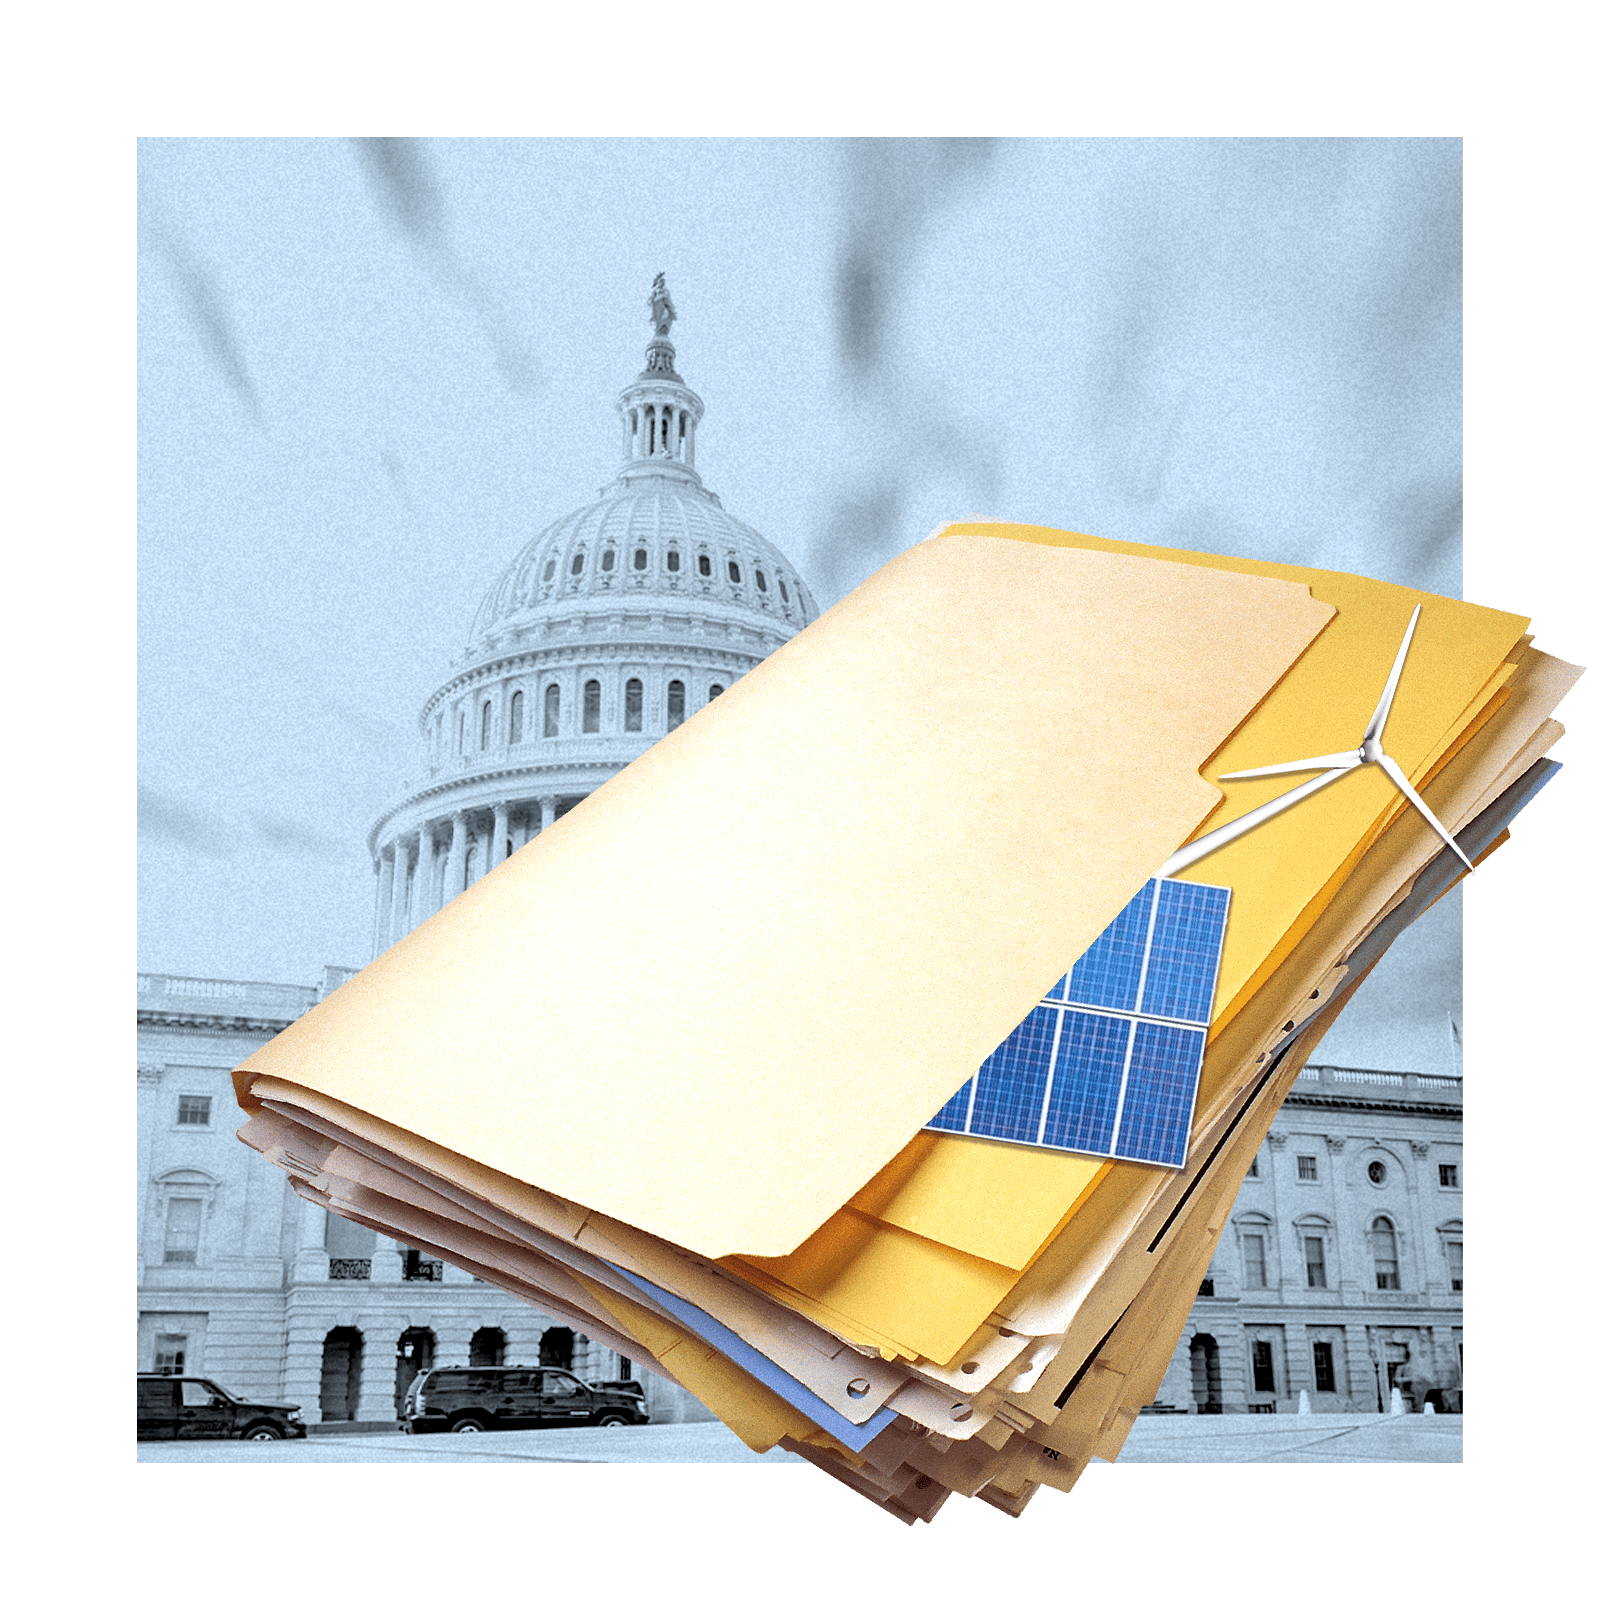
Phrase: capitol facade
{"type": "Point", "coordinates": [1341, 1262]}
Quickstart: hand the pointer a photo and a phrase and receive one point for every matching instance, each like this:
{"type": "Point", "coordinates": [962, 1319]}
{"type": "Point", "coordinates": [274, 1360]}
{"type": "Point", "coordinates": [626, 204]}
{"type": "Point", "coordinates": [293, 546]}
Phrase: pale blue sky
{"type": "Point", "coordinates": [367, 378]}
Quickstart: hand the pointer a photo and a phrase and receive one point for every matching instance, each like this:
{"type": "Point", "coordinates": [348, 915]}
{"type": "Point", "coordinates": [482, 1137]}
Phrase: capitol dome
{"type": "Point", "coordinates": [606, 631]}
{"type": "Point", "coordinates": [644, 541]}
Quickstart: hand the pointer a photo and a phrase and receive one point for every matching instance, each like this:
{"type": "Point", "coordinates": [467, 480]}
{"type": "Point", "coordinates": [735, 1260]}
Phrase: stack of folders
{"type": "Point", "coordinates": [880, 1054]}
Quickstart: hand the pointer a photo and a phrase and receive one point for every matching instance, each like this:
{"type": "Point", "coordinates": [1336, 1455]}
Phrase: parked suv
{"type": "Point", "coordinates": [477, 1399]}
{"type": "Point", "coordinates": [199, 1408]}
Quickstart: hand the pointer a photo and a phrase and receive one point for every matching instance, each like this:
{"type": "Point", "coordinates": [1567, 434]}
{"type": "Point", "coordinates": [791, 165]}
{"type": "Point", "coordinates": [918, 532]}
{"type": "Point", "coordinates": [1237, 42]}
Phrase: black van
{"type": "Point", "coordinates": [477, 1399]}
{"type": "Point", "coordinates": [198, 1408]}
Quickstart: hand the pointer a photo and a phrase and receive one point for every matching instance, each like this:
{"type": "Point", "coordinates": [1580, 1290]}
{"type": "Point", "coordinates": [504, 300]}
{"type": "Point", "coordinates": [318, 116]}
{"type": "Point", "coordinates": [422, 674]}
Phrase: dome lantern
{"type": "Point", "coordinates": [659, 411]}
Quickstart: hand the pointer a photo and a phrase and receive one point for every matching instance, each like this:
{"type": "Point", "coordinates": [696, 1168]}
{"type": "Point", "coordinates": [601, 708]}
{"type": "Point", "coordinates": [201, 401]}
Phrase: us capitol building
{"type": "Point", "coordinates": [1342, 1257]}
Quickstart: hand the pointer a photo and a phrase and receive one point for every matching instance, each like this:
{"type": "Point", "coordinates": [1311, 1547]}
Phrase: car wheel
{"type": "Point", "coordinates": [613, 1421]}
{"type": "Point", "coordinates": [260, 1433]}
{"type": "Point", "coordinates": [469, 1425]}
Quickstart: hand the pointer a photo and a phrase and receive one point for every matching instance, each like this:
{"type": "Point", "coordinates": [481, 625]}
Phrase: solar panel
{"type": "Point", "coordinates": [1108, 1062]}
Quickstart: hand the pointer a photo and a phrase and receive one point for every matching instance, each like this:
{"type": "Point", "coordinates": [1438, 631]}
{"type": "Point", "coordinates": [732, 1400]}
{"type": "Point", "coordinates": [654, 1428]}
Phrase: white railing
{"type": "Point", "coordinates": [158, 985]}
{"type": "Point", "coordinates": [1383, 1080]}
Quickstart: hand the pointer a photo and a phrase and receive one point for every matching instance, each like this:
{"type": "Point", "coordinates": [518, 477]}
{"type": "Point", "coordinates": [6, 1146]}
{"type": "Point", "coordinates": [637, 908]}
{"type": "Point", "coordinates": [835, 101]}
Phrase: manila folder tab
{"type": "Point", "coordinates": [717, 997]}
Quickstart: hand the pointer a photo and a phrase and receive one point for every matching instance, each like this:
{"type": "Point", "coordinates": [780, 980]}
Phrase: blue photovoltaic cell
{"type": "Point", "coordinates": [1088, 1079]}
{"type": "Point", "coordinates": [1009, 1100]}
{"type": "Point", "coordinates": [1132, 1018]}
{"type": "Point", "coordinates": [1107, 973]}
{"type": "Point", "coordinates": [954, 1115]}
{"type": "Point", "coordinates": [1184, 951]}
{"type": "Point", "coordinates": [1163, 1073]}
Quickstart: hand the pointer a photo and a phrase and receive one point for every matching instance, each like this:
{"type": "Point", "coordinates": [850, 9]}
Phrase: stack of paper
{"type": "Point", "coordinates": [698, 1070]}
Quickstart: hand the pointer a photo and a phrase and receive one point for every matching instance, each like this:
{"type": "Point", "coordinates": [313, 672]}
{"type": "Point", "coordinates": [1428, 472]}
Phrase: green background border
{"type": "Point", "coordinates": [732, 1530]}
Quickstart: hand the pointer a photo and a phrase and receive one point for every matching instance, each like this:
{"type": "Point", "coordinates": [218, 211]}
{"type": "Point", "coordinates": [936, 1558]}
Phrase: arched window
{"type": "Point", "coordinates": [516, 718]}
{"type": "Point", "coordinates": [1385, 1254]}
{"type": "Point", "coordinates": [715, 690]}
{"type": "Point", "coordinates": [550, 569]}
{"type": "Point", "coordinates": [705, 566]}
{"type": "Point", "coordinates": [552, 710]}
{"type": "Point", "coordinates": [488, 1348]}
{"type": "Point", "coordinates": [591, 706]}
{"type": "Point", "coordinates": [672, 561]}
{"type": "Point", "coordinates": [783, 589]}
{"type": "Point", "coordinates": [640, 559]}
{"type": "Point", "coordinates": [608, 560]}
{"type": "Point", "coordinates": [733, 572]}
{"type": "Point", "coordinates": [761, 580]}
{"type": "Point", "coordinates": [674, 704]}
{"type": "Point", "coordinates": [633, 707]}
{"type": "Point", "coordinates": [483, 728]}
{"type": "Point", "coordinates": [577, 564]}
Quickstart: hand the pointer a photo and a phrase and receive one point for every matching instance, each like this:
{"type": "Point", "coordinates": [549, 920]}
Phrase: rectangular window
{"type": "Point", "coordinates": [1452, 1261]}
{"type": "Point", "coordinates": [1255, 1167]}
{"type": "Point", "coordinates": [1308, 1168]}
{"type": "Point", "coordinates": [183, 1232]}
{"type": "Point", "coordinates": [1255, 1261]}
{"type": "Point", "coordinates": [1449, 1175]}
{"type": "Point", "coordinates": [169, 1357]}
{"type": "Point", "coordinates": [194, 1111]}
{"type": "Point", "coordinates": [1208, 1288]}
{"type": "Point", "coordinates": [1322, 1363]}
{"type": "Point", "coordinates": [1316, 1265]}
{"type": "Point", "coordinates": [1261, 1367]}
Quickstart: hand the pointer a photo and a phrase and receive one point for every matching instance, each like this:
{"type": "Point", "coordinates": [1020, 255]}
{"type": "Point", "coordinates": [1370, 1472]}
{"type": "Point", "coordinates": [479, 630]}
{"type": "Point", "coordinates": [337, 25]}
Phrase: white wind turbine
{"type": "Point", "coordinates": [1370, 752]}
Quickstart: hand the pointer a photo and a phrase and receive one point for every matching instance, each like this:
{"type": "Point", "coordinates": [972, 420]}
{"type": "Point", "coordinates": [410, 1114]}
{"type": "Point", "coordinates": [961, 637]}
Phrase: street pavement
{"type": "Point", "coordinates": [1354, 1438]}
{"type": "Point", "coordinates": [1329, 1437]}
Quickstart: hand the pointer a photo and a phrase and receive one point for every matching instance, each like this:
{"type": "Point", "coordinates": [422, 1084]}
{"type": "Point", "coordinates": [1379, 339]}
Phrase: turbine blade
{"type": "Point", "coordinates": [1345, 758]}
{"type": "Point", "coordinates": [1381, 715]}
{"type": "Point", "coordinates": [1392, 767]}
{"type": "Point", "coordinates": [1229, 831]}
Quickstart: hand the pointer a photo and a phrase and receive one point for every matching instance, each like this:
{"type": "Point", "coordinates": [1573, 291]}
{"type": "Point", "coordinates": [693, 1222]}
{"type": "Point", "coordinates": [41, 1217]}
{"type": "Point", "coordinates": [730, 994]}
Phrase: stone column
{"type": "Point", "coordinates": [311, 1242]}
{"type": "Point", "coordinates": [380, 940]}
{"type": "Point", "coordinates": [547, 812]}
{"type": "Point", "coordinates": [497, 846]}
{"type": "Point", "coordinates": [455, 872]}
{"type": "Point", "coordinates": [399, 923]}
{"type": "Point", "coordinates": [146, 1119]}
{"type": "Point", "coordinates": [385, 1260]}
{"type": "Point", "coordinates": [377, 902]}
{"type": "Point", "coordinates": [380, 1339]}
{"type": "Point", "coordinates": [422, 906]}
